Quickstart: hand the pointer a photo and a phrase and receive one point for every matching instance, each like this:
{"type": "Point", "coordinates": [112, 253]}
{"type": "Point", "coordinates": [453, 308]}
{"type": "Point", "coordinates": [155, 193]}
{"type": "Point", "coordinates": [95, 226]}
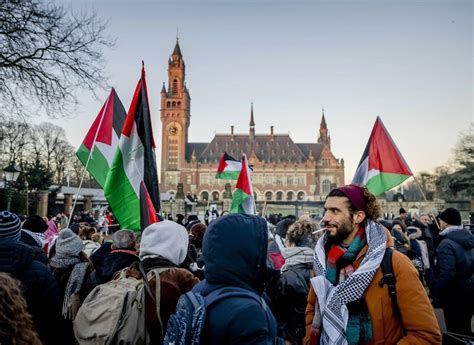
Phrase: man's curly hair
{"type": "Point", "coordinates": [373, 211]}
{"type": "Point", "coordinates": [16, 323]}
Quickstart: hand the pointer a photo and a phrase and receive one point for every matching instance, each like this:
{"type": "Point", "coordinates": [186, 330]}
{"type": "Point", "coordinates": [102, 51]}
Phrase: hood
{"type": "Point", "coordinates": [15, 257]}
{"type": "Point", "coordinates": [167, 239]}
{"type": "Point", "coordinates": [462, 237]}
{"type": "Point", "coordinates": [235, 251]}
{"type": "Point", "coordinates": [413, 232]}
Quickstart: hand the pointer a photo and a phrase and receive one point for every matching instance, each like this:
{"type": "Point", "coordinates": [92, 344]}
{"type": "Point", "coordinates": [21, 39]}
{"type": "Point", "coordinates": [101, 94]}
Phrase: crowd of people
{"type": "Point", "coordinates": [352, 278]}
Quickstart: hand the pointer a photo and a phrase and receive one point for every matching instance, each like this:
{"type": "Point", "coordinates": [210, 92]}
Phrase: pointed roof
{"type": "Point", "coordinates": [177, 49]}
{"type": "Point", "coordinates": [252, 122]}
{"type": "Point", "coordinates": [323, 122]}
{"type": "Point", "coordinates": [163, 89]}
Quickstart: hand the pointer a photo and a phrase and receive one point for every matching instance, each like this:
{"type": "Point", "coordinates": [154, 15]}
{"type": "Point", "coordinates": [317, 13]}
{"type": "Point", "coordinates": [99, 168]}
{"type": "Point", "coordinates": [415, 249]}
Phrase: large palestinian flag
{"type": "Point", "coordinates": [242, 199]}
{"type": "Point", "coordinates": [103, 138]}
{"type": "Point", "coordinates": [382, 166]}
{"type": "Point", "coordinates": [228, 168]}
{"type": "Point", "coordinates": [131, 187]}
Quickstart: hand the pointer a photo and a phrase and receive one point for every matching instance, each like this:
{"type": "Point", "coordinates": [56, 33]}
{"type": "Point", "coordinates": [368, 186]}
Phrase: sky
{"type": "Point", "coordinates": [409, 62]}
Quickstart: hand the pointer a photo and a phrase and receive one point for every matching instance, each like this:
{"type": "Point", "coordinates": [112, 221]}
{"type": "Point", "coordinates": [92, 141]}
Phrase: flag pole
{"type": "Point", "coordinates": [426, 200]}
{"type": "Point", "coordinates": [87, 163]}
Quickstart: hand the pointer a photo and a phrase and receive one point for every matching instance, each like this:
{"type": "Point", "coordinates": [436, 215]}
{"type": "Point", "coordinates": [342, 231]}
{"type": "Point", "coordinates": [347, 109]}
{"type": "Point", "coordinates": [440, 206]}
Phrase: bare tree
{"type": "Point", "coordinates": [46, 138]}
{"type": "Point", "coordinates": [63, 153]}
{"type": "Point", "coordinates": [15, 138]}
{"type": "Point", "coordinates": [46, 55]}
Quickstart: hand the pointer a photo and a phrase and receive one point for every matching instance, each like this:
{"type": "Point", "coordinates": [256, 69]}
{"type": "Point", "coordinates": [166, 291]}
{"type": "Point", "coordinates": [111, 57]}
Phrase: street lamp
{"type": "Point", "coordinates": [12, 172]}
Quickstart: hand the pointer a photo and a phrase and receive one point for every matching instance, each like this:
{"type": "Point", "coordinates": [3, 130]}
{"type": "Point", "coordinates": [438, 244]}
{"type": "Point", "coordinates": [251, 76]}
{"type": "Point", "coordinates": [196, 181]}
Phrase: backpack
{"type": "Point", "coordinates": [114, 312]}
{"type": "Point", "coordinates": [389, 279]}
{"type": "Point", "coordinates": [185, 327]}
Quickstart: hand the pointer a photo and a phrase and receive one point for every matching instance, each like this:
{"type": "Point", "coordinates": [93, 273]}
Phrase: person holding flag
{"type": "Point", "coordinates": [243, 199]}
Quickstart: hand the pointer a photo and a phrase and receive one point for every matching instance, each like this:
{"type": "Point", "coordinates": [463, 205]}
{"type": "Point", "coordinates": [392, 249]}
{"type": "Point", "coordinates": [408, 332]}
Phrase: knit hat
{"type": "Point", "coordinates": [355, 194]}
{"type": "Point", "coordinates": [451, 216]}
{"type": "Point", "coordinates": [167, 239]}
{"type": "Point", "coordinates": [68, 243]}
{"type": "Point", "coordinates": [10, 226]}
{"type": "Point", "coordinates": [35, 223]}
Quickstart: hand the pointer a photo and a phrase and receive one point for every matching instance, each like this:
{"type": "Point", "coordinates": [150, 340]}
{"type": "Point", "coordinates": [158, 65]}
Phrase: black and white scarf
{"type": "Point", "coordinates": [331, 313]}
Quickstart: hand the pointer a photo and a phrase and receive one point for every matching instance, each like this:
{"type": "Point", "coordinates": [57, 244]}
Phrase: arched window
{"type": "Point", "coordinates": [175, 86]}
{"type": "Point", "coordinates": [174, 104]}
{"type": "Point", "coordinates": [301, 196]}
{"type": "Point", "coordinates": [215, 196]}
{"type": "Point", "coordinates": [168, 104]}
{"type": "Point", "coordinates": [179, 104]}
{"type": "Point", "coordinates": [204, 196]}
{"type": "Point", "coordinates": [326, 188]}
{"type": "Point", "coordinates": [279, 196]}
{"type": "Point", "coordinates": [268, 195]}
{"type": "Point", "coordinates": [290, 196]}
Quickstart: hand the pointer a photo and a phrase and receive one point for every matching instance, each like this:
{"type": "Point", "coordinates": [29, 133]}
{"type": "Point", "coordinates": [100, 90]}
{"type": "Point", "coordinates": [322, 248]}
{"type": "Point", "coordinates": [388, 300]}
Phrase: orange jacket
{"type": "Point", "coordinates": [419, 320]}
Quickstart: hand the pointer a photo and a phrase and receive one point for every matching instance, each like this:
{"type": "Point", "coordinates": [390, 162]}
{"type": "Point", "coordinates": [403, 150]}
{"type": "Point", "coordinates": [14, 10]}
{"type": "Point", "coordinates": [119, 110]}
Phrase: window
{"type": "Point", "coordinates": [289, 196]}
{"type": "Point", "coordinates": [175, 87]}
{"type": "Point", "coordinates": [326, 187]}
{"type": "Point", "coordinates": [204, 196]}
{"type": "Point", "coordinates": [279, 180]}
{"type": "Point", "coordinates": [188, 179]}
{"type": "Point", "coordinates": [289, 179]}
{"type": "Point", "coordinates": [279, 196]}
{"type": "Point", "coordinates": [268, 195]}
{"type": "Point", "coordinates": [168, 104]}
{"type": "Point", "coordinates": [301, 196]}
{"type": "Point", "coordinates": [215, 196]}
{"type": "Point", "coordinates": [174, 104]}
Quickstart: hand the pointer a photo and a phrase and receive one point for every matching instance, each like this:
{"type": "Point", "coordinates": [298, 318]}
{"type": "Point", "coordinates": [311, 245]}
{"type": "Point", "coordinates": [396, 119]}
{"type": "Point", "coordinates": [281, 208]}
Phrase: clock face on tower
{"type": "Point", "coordinates": [173, 130]}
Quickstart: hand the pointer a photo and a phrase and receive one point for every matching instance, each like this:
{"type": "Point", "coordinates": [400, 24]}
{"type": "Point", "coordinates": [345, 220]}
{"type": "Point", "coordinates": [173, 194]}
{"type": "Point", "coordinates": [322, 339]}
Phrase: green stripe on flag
{"type": "Point", "coordinates": [238, 199]}
{"type": "Point", "coordinates": [228, 175]}
{"type": "Point", "coordinates": [98, 166]}
{"type": "Point", "coordinates": [382, 182]}
{"type": "Point", "coordinates": [121, 196]}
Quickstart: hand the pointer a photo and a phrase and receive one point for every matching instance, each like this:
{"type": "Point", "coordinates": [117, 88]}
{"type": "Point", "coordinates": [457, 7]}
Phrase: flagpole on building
{"type": "Point", "coordinates": [426, 200]}
{"type": "Point", "coordinates": [87, 162]}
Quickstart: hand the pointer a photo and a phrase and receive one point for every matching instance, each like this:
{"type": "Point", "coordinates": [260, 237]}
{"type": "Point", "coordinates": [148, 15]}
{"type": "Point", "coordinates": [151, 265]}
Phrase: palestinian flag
{"type": "Point", "coordinates": [242, 199]}
{"type": "Point", "coordinates": [132, 184]}
{"type": "Point", "coordinates": [102, 139]}
{"type": "Point", "coordinates": [382, 166]}
{"type": "Point", "coordinates": [228, 168]}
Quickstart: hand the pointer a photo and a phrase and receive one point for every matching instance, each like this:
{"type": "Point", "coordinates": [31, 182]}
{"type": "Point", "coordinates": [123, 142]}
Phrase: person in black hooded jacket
{"type": "Point", "coordinates": [453, 288]}
{"type": "Point", "coordinates": [41, 292]}
{"type": "Point", "coordinates": [234, 250]}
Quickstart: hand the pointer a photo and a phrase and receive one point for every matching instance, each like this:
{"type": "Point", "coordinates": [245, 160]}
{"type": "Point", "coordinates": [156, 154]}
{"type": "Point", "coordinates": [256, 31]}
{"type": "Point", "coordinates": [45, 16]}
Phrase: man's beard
{"type": "Point", "coordinates": [343, 230]}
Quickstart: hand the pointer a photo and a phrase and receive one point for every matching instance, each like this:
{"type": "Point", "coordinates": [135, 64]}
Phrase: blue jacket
{"type": "Point", "coordinates": [41, 292]}
{"type": "Point", "coordinates": [455, 267]}
{"type": "Point", "coordinates": [235, 251]}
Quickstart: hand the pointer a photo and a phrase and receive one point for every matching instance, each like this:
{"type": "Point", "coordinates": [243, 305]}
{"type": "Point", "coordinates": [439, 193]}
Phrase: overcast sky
{"type": "Point", "coordinates": [410, 62]}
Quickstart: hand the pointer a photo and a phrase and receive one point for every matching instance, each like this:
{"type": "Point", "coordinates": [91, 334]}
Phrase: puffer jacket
{"type": "Point", "coordinates": [292, 291]}
{"type": "Point", "coordinates": [41, 291]}
{"type": "Point", "coordinates": [235, 250]}
{"type": "Point", "coordinates": [455, 282]}
{"type": "Point", "coordinates": [419, 321]}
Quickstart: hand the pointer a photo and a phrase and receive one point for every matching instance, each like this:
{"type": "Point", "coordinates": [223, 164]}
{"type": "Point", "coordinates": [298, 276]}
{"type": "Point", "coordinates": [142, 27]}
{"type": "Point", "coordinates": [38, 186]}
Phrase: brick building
{"type": "Point", "coordinates": [283, 169]}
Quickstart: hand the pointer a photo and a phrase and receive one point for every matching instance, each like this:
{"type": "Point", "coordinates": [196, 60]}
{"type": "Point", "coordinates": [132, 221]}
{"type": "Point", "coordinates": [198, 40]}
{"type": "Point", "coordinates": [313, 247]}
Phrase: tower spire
{"type": "Point", "coordinates": [177, 49]}
{"type": "Point", "coordinates": [323, 122]}
{"type": "Point", "coordinates": [323, 132]}
{"type": "Point", "coordinates": [252, 123]}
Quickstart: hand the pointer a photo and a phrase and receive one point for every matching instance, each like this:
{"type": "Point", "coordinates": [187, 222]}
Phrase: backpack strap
{"type": "Point", "coordinates": [389, 278]}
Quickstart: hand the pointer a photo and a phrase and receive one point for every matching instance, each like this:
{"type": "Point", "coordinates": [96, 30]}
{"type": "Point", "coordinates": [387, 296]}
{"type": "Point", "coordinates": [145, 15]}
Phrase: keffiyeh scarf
{"type": "Point", "coordinates": [331, 311]}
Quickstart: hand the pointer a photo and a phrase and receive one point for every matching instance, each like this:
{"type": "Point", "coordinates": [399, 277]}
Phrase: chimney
{"type": "Point", "coordinates": [232, 130]}
{"type": "Point", "coordinates": [271, 130]}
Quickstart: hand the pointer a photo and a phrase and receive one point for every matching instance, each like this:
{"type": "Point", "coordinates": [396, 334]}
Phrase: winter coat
{"type": "Point", "coordinates": [41, 291]}
{"type": "Point", "coordinates": [235, 251]}
{"type": "Point", "coordinates": [90, 247]}
{"type": "Point", "coordinates": [173, 283]}
{"type": "Point", "coordinates": [292, 292]}
{"type": "Point", "coordinates": [455, 282]}
{"type": "Point", "coordinates": [419, 321]}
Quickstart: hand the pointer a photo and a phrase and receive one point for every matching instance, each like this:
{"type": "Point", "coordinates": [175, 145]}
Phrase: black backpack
{"type": "Point", "coordinates": [389, 279]}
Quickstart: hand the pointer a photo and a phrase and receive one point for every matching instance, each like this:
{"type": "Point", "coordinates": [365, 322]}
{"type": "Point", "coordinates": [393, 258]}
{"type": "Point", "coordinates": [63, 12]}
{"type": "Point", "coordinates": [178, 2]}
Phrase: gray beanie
{"type": "Point", "coordinates": [68, 243]}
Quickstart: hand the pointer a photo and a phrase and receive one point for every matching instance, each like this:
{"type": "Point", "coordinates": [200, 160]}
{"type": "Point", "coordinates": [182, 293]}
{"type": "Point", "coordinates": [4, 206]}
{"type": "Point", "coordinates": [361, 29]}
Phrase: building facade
{"type": "Point", "coordinates": [282, 169]}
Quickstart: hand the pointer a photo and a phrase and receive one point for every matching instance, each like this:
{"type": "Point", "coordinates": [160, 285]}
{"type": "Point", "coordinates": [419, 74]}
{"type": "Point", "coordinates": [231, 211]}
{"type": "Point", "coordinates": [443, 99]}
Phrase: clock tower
{"type": "Point", "coordinates": [175, 118]}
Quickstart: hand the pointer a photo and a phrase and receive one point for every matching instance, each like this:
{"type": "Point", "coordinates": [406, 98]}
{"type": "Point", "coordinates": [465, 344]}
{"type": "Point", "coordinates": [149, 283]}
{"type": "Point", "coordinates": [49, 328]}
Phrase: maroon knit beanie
{"type": "Point", "coordinates": [355, 194]}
